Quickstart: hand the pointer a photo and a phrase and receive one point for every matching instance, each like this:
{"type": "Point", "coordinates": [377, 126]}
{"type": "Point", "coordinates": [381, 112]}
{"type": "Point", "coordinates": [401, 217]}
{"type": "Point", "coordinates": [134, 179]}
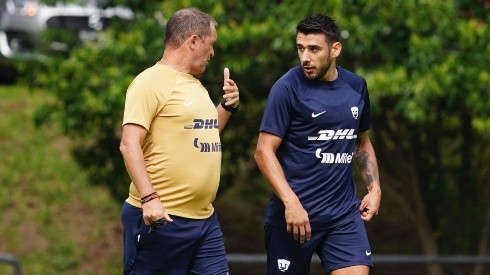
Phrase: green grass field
{"type": "Point", "coordinates": [52, 219]}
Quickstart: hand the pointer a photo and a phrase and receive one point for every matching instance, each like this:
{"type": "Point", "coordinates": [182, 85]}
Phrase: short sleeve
{"type": "Point", "coordinates": [140, 105]}
{"type": "Point", "coordinates": [277, 114]}
{"type": "Point", "coordinates": [365, 122]}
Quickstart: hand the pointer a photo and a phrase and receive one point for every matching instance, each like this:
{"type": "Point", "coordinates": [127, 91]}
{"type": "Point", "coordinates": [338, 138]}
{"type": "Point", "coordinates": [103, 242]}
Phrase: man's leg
{"type": "Point", "coordinates": [166, 250]}
{"type": "Point", "coordinates": [352, 270]}
{"type": "Point", "coordinates": [285, 255]}
{"type": "Point", "coordinates": [209, 256]}
{"type": "Point", "coordinates": [346, 249]}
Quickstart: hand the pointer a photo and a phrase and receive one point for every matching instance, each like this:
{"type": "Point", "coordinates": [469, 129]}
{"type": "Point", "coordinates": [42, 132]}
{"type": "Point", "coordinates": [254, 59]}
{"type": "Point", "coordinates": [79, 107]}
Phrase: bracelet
{"type": "Point", "coordinates": [149, 197]}
{"type": "Point", "coordinates": [232, 109]}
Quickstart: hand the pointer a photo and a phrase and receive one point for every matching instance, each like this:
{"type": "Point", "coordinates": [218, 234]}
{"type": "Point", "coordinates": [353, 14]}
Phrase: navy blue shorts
{"type": "Point", "coordinates": [184, 246]}
{"type": "Point", "coordinates": [338, 247]}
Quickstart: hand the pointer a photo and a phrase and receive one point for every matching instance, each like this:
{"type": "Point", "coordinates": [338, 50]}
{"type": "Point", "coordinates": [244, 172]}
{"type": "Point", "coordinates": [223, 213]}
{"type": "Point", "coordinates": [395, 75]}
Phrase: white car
{"type": "Point", "coordinates": [22, 23]}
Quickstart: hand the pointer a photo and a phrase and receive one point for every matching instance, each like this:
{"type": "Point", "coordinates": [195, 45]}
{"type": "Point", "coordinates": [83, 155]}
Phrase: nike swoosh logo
{"type": "Point", "coordinates": [368, 253]}
{"type": "Point", "coordinates": [188, 103]}
{"type": "Point", "coordinates": [315, 115]}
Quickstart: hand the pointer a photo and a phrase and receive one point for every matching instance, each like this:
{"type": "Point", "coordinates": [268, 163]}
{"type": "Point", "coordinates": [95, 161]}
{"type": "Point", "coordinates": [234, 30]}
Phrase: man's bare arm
{"type": "Point", "coordinates": [365, 159]}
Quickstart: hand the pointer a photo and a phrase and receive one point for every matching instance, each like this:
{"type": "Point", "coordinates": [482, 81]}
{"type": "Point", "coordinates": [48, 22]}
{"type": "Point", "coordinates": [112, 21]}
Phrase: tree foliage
{"type": "Point", "coordinates": [426, 64]}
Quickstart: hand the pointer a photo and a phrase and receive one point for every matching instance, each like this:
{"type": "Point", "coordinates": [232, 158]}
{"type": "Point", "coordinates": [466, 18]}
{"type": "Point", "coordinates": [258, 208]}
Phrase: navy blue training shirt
{"type": "Point", "coordinates": [318, 122]}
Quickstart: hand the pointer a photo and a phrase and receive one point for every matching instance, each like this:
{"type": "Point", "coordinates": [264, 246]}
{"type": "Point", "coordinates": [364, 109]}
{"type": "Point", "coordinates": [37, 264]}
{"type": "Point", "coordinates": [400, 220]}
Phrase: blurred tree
{"type": "Point", "coordinates": [426, 63]}
{"type": "Point", "coordinates": [431, 99]}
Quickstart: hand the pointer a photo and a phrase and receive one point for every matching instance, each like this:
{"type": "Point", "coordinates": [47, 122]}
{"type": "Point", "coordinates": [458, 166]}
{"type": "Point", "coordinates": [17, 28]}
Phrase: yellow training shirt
{"type": "Point", "coordinates": [182, 148]}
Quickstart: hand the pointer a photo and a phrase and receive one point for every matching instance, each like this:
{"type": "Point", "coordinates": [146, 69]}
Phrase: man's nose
{"type": "Point", "coordinates": [304, 57]}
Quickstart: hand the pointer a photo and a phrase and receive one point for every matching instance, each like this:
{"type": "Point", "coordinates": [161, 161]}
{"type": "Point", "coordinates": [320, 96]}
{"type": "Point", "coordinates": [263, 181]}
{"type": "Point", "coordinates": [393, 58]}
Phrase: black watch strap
{"type": "Point", "coordinates": [231, 109]}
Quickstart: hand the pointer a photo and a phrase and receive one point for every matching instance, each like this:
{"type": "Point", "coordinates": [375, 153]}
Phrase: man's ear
{"type": "Point", "coordinates": [192, 41]}
{"type": "Point", "coordinates": [336, 49]}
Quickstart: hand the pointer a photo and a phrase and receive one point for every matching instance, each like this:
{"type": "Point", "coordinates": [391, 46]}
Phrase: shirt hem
{"type": "Point", "coordinates": [175, 212]}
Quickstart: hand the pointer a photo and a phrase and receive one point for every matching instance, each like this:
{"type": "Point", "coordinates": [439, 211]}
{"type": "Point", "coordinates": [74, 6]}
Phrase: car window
{"type": "Point", "coordinates": [19, 4]}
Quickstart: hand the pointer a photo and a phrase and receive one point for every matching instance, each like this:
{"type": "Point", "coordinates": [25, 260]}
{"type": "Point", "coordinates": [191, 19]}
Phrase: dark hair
{"type": "Point", "coordinates": [187, 22]}
{"type": "Point", "coordinates": [320, 23]}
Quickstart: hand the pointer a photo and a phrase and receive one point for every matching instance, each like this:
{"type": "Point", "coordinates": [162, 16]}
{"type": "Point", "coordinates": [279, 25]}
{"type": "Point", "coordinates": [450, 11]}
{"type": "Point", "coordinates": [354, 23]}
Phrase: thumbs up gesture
{"type": "Point", "coordinates": [231, 95]}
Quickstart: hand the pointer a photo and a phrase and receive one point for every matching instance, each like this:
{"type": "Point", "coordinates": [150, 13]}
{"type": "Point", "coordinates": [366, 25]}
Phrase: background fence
{"type": "Point", "coordinates": [255, 264]}
{"type": "Point", "coordinates": [11, 260]}
{"type": "Point", "coordinates": [380, 259]}
{"type": "Point", "coordinates": [261, 259]}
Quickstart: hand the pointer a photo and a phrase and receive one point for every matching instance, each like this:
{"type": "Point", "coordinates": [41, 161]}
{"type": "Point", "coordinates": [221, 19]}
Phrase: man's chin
{"type": "Point", "coordinates": [197, 74]}
{"type": "Point", "coordinates": [310, 76]}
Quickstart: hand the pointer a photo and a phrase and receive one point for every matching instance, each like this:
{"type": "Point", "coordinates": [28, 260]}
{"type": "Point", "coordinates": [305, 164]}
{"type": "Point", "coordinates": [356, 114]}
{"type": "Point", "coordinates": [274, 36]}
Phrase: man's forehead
{"type": "Point", "coordinates": [212, 36]}
{"type": "Point", "coordinates": [311, 39]}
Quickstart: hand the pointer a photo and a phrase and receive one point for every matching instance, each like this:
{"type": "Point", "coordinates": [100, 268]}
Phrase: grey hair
{"type": "Point", "coordinates": [187, 22]}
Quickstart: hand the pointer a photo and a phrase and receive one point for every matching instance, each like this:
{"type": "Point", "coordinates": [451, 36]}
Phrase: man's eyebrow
{"type": "Point", "coordinates": [308, 45]}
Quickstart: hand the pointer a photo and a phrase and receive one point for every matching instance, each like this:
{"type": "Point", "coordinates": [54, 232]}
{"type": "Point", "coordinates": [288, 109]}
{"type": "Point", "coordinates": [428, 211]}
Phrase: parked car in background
{"type": "Point", "coordinates": [23, 22]}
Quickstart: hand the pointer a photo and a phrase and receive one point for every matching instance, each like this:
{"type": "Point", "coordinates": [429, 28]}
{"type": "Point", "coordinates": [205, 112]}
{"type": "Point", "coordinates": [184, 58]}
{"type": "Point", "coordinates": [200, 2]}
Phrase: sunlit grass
{"type": "Point", "coordinates": [50, 214]}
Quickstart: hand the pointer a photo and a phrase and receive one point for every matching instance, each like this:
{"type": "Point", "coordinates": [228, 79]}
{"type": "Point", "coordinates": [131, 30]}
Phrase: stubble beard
{"type": "Point", "coordinates": [322, 71]}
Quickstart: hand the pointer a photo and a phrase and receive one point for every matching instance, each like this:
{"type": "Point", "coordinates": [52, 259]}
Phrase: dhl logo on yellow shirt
{"type": "Point", "coordinates": [200, 123]}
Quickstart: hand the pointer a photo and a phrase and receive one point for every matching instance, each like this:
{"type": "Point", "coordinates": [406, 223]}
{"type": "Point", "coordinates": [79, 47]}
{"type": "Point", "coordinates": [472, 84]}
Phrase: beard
{"type": "Point", "coordinates": [321, 71]}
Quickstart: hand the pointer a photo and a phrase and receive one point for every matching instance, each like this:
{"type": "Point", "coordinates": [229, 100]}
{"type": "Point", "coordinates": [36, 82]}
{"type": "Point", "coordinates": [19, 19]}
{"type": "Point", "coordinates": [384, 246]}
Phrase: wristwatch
{"type": "Point", "coordinates": [232, 109]}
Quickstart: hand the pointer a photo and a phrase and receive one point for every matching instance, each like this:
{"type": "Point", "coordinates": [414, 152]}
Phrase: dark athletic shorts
{"type": "Point", "coordinates": [338, 247]}
{"type": "Point", "coordinates": [184, 246]}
